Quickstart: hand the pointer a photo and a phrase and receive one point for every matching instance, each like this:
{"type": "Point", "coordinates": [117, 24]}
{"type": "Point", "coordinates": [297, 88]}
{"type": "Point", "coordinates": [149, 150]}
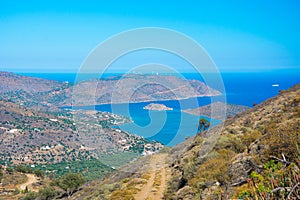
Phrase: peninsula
{"type": "Point", "coordinates": [126, 88]}
{"type": "Point", "coordinates": [219, 110]}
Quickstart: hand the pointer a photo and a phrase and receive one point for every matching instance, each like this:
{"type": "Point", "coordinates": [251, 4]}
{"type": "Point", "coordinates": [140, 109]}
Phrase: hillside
{"type": "Point", "coordinates": [30, 91]}
{"type": "Point", "coordinates": [135, 88]}
{"type": "Point", "coordinates": [10, 82]}
{"type": "Point", "coordinates": [255, 157]}
{"type": "Point", "coordinates": [35, 137]}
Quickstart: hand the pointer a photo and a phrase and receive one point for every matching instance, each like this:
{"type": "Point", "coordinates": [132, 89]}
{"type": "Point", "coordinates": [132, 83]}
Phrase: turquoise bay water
{"type": "Point", "coordinates": [168, 127]}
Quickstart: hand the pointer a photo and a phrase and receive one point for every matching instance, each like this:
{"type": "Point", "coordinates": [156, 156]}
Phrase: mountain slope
{"type": "Point", "coordinates": [135, 88]}
{"type": "Point", "coordinates": [10, 82]}
{"type": "Point", "coordinates": [256, 156]}
{"type": "Point", "coordinates": [30, 91]}
{"type": "Point", "coordinates": [35, 137]}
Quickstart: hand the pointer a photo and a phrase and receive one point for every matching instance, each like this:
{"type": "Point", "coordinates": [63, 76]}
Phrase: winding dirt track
{"type": "Point", "coordinates": [31, 180]}
{"type": "Point", "coordinates": [157, 183]}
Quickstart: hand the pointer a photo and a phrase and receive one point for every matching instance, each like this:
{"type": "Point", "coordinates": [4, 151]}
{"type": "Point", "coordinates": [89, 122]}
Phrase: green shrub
{"type": "Point", "coordinates": [272, 183]}
{"type": "Point", "coordinates": [47, 193]}
{"type": "Point", "coordinates": [39, 173]}
{"type": "Point", "coordinates": [284, 139]}
{"type": "Point", "coordinates": [122, 195]}
{"type": "Point", "coordinates": [29, 196]}
{"type": "Point", "coordinates": [23, 169]}
{"type": "Point", "coordinates": [250, 137]}
{"type": "Point", "coordinates": [70, 182]}
{"type": "Point", "coordinates": [230, 142]}
{"type": "Point", "coordinates": [9, 170]}
{"type": "Point", "coordinates": [17, 191]}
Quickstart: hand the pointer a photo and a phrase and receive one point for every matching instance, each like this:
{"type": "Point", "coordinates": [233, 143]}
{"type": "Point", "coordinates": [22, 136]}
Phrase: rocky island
{"type": "Point", "coordinates": [156, 106]}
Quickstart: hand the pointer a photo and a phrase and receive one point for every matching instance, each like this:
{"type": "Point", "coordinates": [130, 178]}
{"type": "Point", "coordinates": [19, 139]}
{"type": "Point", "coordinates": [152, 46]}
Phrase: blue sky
{"type": "Point", "coordinates": [56, 36]}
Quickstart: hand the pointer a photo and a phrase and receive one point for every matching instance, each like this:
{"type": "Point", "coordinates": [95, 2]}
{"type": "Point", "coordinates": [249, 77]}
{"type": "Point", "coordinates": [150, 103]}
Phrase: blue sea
{"type": "Point", "coordinates": [172, 127]}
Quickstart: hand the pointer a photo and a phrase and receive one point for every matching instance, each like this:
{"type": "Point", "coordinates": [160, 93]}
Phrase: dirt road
{"type": "Point", "coordinates": [154, 188]}
{"type": "Point", "coordinates": [31, 180]}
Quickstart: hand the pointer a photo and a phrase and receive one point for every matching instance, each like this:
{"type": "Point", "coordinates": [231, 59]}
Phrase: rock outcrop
{"type": "Point", "coordinates": [155, 106]}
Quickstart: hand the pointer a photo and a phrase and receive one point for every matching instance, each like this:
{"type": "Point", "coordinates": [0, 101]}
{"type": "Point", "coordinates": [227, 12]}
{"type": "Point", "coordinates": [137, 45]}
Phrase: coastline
{"type": "Point", "coordinates": [146, 101]}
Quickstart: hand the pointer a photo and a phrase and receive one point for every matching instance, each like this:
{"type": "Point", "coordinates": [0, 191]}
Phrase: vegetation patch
{"type": "Point", "coordinates": [90, 169]}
